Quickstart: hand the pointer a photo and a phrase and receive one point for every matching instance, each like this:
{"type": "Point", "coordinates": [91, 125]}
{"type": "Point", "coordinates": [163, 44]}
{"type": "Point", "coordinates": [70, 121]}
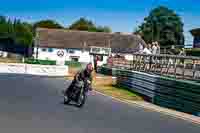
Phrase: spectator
{"type": "Point", "coordinates": [110, 61]}
{"type": "Point", "coordinates": [182, 53]}
{"type": "Point", "coordinates": [140, 48]}
{"type": "Point", "coordinates": [147, 59]}
{"type": "Point", "coordinates": [158, 53]}
{"type": "Point", "coordinates": [149, 48]}
{"type": "Point", "coordinates": [146, 50]}
{"type": "Point", "coordinates": [154, 48]}
{"type": "Point", "coordinates": [158, 48]}
{"type": "Point", "coordinates": [96, 58]}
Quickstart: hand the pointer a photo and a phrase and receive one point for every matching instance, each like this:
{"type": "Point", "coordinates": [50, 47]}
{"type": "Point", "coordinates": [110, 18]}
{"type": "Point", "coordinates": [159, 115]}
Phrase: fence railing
{"type": "Point", "coordinates": [184, 67]}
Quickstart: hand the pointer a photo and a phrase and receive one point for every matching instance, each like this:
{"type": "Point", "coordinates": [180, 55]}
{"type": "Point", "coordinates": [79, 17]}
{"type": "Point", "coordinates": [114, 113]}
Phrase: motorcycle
{"type": "Point", "coordinates": [78, 94]}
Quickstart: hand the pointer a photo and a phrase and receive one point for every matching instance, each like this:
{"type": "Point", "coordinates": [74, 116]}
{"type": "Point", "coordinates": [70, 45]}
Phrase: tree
{"type": "Point", "coordinates": [86, 25]}
{"type": "Point", "coordinates": [103, 29]}
{"type": "Point", "coordinates": [83, 25]}
{"type": "Point", "coordinates": [162, 25]}
{"type": "Point", "coordinates": [51, 24]}
{"type": "Point", "coordinates": [18, 32]}
{"type": "Point", "coordinates": [28, 25]}
{"type": "Point", "coordinates": [22, 33]}
{"type": "Point", "coordinates": [5, 27]}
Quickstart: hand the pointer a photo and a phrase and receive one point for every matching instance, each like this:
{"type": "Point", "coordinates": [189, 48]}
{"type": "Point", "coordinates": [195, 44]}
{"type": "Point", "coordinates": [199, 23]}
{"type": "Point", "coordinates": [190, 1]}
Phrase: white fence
{"type": "Point", "coordinates": [43, 70]}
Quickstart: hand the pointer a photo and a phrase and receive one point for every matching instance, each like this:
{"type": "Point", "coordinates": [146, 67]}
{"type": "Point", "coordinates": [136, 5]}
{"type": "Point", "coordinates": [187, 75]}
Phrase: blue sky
{"type": "Point", "coordinates": [120, 15]}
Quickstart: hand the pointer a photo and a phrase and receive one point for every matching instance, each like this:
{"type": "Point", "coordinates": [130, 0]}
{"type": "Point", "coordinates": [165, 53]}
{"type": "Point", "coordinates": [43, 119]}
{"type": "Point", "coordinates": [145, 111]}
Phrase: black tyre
{"type": "Point", "coordinates": [66, 100]}
{"type": "Point", "coordinates": [81, 100]}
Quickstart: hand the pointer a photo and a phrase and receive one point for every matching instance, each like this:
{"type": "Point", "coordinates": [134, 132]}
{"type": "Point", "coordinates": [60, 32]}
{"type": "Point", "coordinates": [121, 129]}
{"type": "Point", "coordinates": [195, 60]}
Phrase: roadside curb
{"type": "Point", "coordinates": [152, 107]}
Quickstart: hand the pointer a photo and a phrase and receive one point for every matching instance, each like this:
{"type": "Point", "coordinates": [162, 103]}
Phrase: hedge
{"type": "Point", "coordinates": [193, 52]}
{"type": "Point", "coordinates": [51, 62]}
{"type": "Point", "coordinates": [40, 62]}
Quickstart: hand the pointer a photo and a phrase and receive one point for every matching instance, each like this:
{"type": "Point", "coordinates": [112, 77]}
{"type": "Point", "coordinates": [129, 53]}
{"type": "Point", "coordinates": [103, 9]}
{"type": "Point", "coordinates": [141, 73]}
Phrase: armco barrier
{"type": "Point", "coordinates": [42, 70]}
{"type": "Point", "coordinates": [107, 71]}
{"type": "Point", "coordinates": [172, 93]}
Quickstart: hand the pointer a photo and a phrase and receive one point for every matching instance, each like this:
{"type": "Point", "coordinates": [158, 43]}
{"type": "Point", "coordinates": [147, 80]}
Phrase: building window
{"type": "Point", "coordinates": [50, 49]}
{"type": "Point", "coordinates": [44, 49]}
{"type": "Point", "coordinates": [75, 59]}
{"type": "Point", "coordinates": [71, 51]}
{"type": "Point", "coordinates": [82, 50]}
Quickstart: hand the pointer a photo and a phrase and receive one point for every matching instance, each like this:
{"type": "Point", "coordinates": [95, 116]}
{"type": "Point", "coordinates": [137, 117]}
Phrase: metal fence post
{"type": "Point", "coordinates": [175, 65]}
{"type": "Point", "coordinates": [194, 68]}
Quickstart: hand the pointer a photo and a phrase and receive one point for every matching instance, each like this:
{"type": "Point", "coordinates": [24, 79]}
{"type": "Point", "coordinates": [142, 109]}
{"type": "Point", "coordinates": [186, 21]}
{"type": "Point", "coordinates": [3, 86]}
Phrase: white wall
{"type": "Point", "coordinates": [83, 56]}
{"type": "Point", "coordinates": [46, 55]}
{"type": "Point", "coordinates": [45, 70]}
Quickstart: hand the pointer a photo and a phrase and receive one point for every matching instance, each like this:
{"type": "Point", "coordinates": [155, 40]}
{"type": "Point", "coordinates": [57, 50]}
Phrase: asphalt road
{"type": "Point", "coordinates": [31, 104]}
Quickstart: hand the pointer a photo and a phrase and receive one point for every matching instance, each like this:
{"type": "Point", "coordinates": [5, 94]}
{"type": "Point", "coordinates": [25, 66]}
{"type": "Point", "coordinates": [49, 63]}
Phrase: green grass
{"type": "Point", "coordinates": [73, 64]}
{"type": "Point", "coordinates": [40, 62]}
{"type": "Point", "coordinates": [119, 93]}
{"type": "Point", "coordinates": [107, 86]}
{"type": "Point", "coordinates": [125, 90]}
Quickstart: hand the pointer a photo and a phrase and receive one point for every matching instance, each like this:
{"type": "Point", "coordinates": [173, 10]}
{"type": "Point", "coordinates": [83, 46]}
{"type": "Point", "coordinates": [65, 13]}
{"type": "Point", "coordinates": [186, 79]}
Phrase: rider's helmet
{"type": "Point", "coordinates": [89, 68]}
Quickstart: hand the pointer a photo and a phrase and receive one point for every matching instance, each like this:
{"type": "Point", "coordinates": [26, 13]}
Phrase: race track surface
{"type": "Point", "coordinates": [33, 104]}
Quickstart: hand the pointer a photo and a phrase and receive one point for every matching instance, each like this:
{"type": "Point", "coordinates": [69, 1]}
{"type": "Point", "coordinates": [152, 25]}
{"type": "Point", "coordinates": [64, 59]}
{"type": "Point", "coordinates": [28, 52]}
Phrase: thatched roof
{"type": "Point", "coordinates": [59, 38]}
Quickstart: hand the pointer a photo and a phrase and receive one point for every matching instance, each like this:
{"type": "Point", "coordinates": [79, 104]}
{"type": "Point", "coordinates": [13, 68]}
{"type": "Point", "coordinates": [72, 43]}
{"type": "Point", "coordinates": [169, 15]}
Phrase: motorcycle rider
{"type": "Point", "coordinates": [83, 75]}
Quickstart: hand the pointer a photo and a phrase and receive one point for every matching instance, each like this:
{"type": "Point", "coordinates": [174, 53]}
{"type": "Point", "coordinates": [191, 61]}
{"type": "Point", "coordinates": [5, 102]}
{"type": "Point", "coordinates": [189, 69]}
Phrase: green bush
{"type": "Point", "coordinates": [40, 62]}
{"type": "Point", "coordinates": [176, 51]}
{"type": "Point", "coordinates": [73, 64]}
{"type": "Point", "coordinates": [193, 52]}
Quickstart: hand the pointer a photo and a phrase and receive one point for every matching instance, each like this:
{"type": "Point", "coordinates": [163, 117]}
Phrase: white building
{"type": "Point", "coordinates": [64, 45]}
{"type": "Point", "coordinates": [61, 55]}
{"type": "Point", "coordinates": [70, 54]}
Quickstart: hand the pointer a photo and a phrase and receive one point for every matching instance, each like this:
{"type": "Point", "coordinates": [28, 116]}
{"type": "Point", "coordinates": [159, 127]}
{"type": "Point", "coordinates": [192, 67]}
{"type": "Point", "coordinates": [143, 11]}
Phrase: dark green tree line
{"type": "Point", "coordinates": [18, 31]}
{"type": "Point", "coordinates": [86, 25]}
{"type": "Point", "coordinates": [23, 32]}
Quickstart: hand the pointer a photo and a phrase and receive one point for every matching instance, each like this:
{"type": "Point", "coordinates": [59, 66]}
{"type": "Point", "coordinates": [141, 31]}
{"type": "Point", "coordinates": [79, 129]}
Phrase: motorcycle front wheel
{"type": "Point", "coordinates": [66, 100]}
{"type": "Point", "coordinates": [81, 100]}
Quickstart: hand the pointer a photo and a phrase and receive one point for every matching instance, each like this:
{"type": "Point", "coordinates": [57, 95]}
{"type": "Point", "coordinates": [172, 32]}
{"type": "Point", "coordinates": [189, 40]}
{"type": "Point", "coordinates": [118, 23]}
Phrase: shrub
{"type": "Point", "coordinates": [40, 62]}
{"type": "Point", "coordinates": [193, 52]}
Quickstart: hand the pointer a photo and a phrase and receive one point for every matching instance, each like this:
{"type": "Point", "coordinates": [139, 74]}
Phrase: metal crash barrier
{"type": "Point", "coordinates": [182, 95]}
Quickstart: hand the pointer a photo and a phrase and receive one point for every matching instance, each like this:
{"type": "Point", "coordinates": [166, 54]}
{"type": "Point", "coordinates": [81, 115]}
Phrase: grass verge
{"type": "Point", "coordinates": [107, 85]}
{"type": "Point", "coordinates": [9, 60]}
